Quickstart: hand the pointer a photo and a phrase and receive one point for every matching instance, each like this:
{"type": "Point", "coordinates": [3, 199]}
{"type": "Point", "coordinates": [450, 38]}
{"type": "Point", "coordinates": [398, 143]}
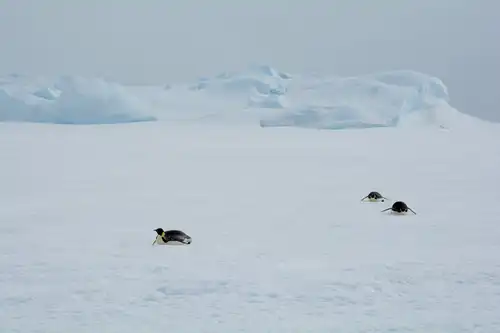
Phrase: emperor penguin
{"type": "Point", "coordinates": [171, 237]}
{"type": "Point", "coordinates": [399, 207]}
{"type": "Point", "coordinates": [374, 196]}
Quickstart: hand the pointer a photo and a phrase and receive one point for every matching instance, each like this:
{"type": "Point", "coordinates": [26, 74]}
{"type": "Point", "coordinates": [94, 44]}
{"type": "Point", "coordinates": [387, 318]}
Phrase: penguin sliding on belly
{"type": "Point", "coordinates": [399, 207]}
{"type": "Point", "coordinates": [171, 237]}
{"type": "Point", "coordinates": [374, 196]}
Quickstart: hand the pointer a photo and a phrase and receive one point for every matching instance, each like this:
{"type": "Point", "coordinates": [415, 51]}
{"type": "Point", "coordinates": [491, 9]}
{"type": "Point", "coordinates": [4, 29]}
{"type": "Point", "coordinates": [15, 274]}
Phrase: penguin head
{"type": "Point", "coordinates": [159, 231]}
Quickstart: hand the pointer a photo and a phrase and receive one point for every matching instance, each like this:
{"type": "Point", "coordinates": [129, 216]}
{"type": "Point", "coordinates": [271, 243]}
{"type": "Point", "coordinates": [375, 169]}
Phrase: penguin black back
{"type": "Point", "coordinates": [175, 234]}
{"type": "Point", "coordinates": [399, 207]}
{"type": "Point", "coordinates": [374, 196]}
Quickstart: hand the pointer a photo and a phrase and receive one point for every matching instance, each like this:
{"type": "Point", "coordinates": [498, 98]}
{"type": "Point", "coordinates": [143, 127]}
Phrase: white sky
{"type": "Point", "coordinates": [158, 41]}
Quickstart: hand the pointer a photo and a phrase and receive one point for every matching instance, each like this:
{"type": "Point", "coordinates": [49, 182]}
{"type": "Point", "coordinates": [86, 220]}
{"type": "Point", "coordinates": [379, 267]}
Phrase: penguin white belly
{"type": "Point", "coordinates": [175, 243]}
{"type": "Point", "coordinates": [159, 241]}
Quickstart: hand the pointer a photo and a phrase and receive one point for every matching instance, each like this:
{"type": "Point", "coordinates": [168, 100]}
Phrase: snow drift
{"type": "Point", "coordinates": [257, 87]}
{"type": "Point", "coordinates": [385, 99]}
{"type": "Point", "coordinates": [400, 98]}
{"type": "Point", "coordinates": [70, 100]}
{"type": "Point", "coordinates": [259, 94]}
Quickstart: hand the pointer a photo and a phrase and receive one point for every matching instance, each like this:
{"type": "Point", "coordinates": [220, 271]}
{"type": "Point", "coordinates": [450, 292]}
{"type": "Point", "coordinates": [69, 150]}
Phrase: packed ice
{"type": "Point", "coordinates": [259, 94]}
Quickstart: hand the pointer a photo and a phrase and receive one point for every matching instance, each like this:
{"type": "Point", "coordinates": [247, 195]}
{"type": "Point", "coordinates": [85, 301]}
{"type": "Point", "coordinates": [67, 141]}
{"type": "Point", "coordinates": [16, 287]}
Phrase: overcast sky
{"type": "Point", "coordinates": [158, 41]}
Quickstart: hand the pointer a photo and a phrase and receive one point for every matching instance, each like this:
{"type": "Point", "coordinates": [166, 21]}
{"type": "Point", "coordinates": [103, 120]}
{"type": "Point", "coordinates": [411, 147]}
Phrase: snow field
{"type": "Point", "coordinates": [281, 241]}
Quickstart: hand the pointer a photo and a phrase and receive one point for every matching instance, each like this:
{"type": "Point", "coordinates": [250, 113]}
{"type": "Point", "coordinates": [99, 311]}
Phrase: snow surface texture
{"type": "Point", "coordinates": [260, 95]}
{"type": "Point", "coordinates": [281, 241]}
